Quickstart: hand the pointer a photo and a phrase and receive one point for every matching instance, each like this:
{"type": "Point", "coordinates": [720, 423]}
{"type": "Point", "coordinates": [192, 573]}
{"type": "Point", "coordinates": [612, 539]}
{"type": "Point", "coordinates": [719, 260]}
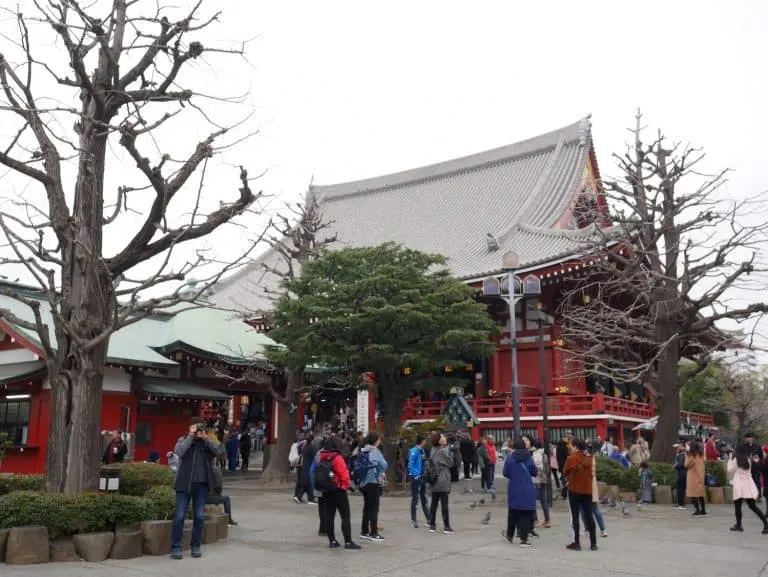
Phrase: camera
{"type": "Point", "coordinates": [200, 427]}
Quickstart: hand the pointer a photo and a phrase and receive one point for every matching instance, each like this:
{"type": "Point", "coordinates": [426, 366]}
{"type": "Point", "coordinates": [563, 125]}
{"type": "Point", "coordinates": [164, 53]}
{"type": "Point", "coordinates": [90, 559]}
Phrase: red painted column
{"type": "Point", "coordinates": [602, 428]}
{"type": "Point", "coordinates": [475, 433]}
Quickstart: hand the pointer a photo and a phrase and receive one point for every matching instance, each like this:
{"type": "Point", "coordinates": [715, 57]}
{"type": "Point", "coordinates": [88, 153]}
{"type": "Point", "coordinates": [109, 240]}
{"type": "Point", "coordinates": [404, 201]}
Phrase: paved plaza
{"type": "Point", "coordinates": [277, 538]}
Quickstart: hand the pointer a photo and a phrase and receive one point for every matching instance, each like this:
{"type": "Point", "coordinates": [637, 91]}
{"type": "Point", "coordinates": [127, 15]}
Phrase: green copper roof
{"type": "Point", "coordinates": [173, 388]}
{"type": "Point", "coordinates": [213, 332]}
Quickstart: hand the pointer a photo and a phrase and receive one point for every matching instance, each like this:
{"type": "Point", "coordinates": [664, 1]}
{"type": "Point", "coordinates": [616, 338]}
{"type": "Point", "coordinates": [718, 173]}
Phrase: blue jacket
{"type": "Point", "coordinates": [312, 468]}
{"type": "Point", "coordinates": [619, 458]}
{"type": "Point", "coordinates": [520, 470]}
{"type": "Point", "coordinates": [378, 465]}
{"type": "Point", "coordinates": [416, 458]}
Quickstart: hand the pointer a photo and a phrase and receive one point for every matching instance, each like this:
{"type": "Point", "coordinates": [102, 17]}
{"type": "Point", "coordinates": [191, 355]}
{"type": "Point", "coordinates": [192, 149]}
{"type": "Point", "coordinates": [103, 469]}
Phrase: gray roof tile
{"type": "Point", "coordinates": [516, 193]}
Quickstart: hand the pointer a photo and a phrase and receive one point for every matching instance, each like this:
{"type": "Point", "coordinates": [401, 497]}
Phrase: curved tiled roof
{"type": "Point", "coordinates": [515, 194]}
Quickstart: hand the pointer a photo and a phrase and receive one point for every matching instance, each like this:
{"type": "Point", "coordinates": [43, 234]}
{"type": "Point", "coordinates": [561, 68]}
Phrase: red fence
{"type": "Point", "coordinates": [562, 405]}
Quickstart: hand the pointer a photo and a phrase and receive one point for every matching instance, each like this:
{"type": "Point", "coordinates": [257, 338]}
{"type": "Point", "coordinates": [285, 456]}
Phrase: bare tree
{"type": "Point", "coordinates": [296, 238]}
{"type": "Point", "coordinates": [112, 82]}
{"type": "Point", "coordinates": [678, 260]}
{"type": "Point", "coordinates": [746, 399]}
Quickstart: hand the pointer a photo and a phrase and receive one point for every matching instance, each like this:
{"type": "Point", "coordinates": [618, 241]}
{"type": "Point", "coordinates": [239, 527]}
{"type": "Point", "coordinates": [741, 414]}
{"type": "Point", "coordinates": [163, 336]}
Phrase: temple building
{"type": "Point", "coordinates": [526, 208]}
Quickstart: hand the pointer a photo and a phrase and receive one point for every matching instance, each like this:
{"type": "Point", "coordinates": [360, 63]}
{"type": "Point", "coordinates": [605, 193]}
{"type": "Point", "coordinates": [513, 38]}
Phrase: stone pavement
{"type": "Point", "coordinates": [277, 538]}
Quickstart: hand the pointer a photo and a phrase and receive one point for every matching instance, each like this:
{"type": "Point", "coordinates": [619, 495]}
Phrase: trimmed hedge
{"type": "Point", "coordinates": [608, 471]}
{"type": "Point", "coordinates": [717, 469]}
{"type": "Point", "coordinates": [70, 514]}
{"type": "Point", "coordinates": [137, 478]}
{"type": "Point", "coordinates": [164, 499]}
{"type": "Point", "coordinates": [11, 483]}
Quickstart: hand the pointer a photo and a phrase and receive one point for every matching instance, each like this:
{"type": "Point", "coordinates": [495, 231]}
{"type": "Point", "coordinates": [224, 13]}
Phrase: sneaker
{"type": "Point", "coordinates": [365, 535]}
{"type": "Point", "coordinates": [603, 533]}
{"type": "Point", "coordinates": [414, 524]}
{"type": "Point", "coordinates": [504, 534]}
{"type": "Point", "coordinates": [448, 531]}
{"type": "Point", "coordinates": [196, 553]}
{"type": "Point", "coordinates": [351, 546]}
{"type": "Point", "coordinates": [696, 514]}
{"type": "Point", "coordinates": [432, 529]}
{"type": "Point", "coordinates": [704, 514]}
{"type": "Point", "coordinates": [375, 537]}
{"type": "Point", "coordinates": [573, 547]}
{"type": "Point", "coordinates": [311, 502]}
{"type": "Point", "coordinates": [334, 544]}
{"type": "Point", "coordinates": [737, 529]}
{"type": "Point", "coordinates": [297, 500]}
{"type": "Point", "coordinates": [682, 508]}
{"type": "Point", "coordinates": [176, 555]}
{"type": "Point", "coordinates": [525, 544]}
{"type": "Point", "coordinates": [593, 547]}
{"type": "Point", "coordinates": [533, 533]}
{"type": "Point", "coordinates": [232, 522]}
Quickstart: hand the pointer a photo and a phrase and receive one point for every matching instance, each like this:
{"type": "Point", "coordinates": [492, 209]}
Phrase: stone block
{"type": "Point", "coordinates": [213, 510]}
{"type": "Point", "coordinates": [612, 492]}
{"type": "Point", "coordinates": [222, 522]}
{"type": "Point", "coordinates": [602, 487]}
{"type": "Point", "coordinates": [727, 497]}
{"type": "Point", "coordinates": [27, 546]}
{"type": "Point", "coordinates": [210, 530]}
{"type": "Point", "coordinates": [186, 542]}
{"type": "Point", "coordinates": [63, 551]}
{"type": "Point", "coordinates": [662, 494]}
{"type": "Point", "coordinates": [157, 537]}
{"type": "Point", "coordinates": [127, 545]}
{"type": "Point", "coordinates": [716, 496]}
{"type": "Point", "coordinates": [3, 540]}
{"type": "Point", "coordinates": [93, 547]}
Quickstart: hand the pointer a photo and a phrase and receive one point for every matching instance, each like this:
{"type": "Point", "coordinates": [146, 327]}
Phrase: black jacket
{"type": "Point", "coordinates": [561, 454]}
{"type": "Point", "coordinates": [119, 457]}
{"type": "Point", "coordinates": [191, 450]}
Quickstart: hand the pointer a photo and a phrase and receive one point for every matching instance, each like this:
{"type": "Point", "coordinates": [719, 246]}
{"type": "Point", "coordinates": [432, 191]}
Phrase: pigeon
{"type": "Point", "coordinates": [624, 508]}
{"type": "Point", "coordinates": [493, 496]}
{"type": "Point", "coordinates": [487, 519]}
{"type": "Point", "coordinates": [482, 501]}
{"type": "Point", "coordinates": [471, 505]}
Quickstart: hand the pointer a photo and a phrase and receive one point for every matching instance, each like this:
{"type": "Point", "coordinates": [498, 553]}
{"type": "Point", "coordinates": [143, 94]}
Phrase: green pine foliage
{"type": "Point", "coordinates": [381, 309]}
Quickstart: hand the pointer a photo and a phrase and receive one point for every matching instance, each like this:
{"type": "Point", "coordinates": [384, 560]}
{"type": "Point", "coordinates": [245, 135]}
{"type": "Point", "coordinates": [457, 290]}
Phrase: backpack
{"type": "Point", "coordinates": [429, 474]}
{"type": "Point", "coordinates": [325, 478]}
{"type": "Point", "coordinates": [361, 466]}
{"type": "Point", "coordinates": [293, 456]}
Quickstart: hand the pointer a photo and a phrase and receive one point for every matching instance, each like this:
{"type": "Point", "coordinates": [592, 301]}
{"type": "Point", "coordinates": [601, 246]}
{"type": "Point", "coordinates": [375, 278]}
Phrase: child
{"type": "Point", "coordinates": [645, 495]}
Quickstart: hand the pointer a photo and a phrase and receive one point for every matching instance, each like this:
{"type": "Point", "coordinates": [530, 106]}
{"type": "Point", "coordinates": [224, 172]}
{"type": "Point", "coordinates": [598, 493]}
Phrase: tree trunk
{"type": "Point", "coordinates": [74, 442]}
{"type": "Point", "coordinates": [668, 407]}
{"type": "Point", "coordinates": [392, 403]}
{"type": "Point", "coordinates": [277, 469]}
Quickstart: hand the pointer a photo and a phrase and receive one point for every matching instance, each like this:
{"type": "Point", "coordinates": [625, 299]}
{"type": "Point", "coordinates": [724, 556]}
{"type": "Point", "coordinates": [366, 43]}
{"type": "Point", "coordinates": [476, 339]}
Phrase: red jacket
{"type": "Point", "coordinates": [339, 468]}
{"type": "Point", "coordinates": [710, 450]}
{"type": "Point", "coordinates": [491, 453]}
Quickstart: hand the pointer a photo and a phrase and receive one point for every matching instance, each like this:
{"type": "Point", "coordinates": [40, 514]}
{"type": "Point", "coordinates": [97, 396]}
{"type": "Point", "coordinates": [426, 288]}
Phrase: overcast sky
{"type": "Point", "coordinates": [346, 90]}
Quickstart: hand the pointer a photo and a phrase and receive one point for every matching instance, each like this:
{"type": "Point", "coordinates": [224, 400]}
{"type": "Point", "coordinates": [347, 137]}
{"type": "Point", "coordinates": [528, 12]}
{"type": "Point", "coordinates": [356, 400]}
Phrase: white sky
{"type": "Point", "coordinates": [346, 90]}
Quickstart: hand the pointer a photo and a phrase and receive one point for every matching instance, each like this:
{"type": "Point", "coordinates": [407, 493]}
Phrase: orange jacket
{"type": "Point", "coordinates": [578, 471]}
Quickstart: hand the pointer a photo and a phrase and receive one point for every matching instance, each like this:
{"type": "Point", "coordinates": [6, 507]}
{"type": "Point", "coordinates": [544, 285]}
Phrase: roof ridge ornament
{"type": "Point", "coordinates": [585, 129]}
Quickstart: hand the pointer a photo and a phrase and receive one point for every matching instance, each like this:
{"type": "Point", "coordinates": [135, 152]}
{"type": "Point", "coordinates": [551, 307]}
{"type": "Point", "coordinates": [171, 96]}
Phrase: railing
{"type": "Point", "coordinates": [562, 405]}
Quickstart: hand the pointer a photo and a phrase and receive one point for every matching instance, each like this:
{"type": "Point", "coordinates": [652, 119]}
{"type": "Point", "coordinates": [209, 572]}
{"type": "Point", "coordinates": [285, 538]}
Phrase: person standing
{"type": "Point", "coordinates": [483, 460]}
{"type": "Point", "coordinates": [232, 445]}
{"type": "Point", "coordinates": [520, 470]}
{"type": "Point", "coordinates": [681, 475]}
{"type": "Point", "coordinates": [562, 451]}
{"type": "Point", "coordinates": [694, 480]}
{"type": "Point", "coordinates": [332, 480]}
{"type": "Point", "coordinates": [308, 453]}
{"type": "Point", "coordinates": [744, 488]}
{"type": "Point", "coordinates": [578, 472]}
{"type": "Point", "coordinates": [245, 450]}
{"type": "Point", "coordinates": [116, 450]}
{"type": "Point", "coordinates": [196, 452]}
{"type": "Point", "coordinates": [467, 448]}
{"type": "Point", "coordinates": [541, 461]}
{"type": "Point", "coordinates": [443, 460]}
{"type": "Point", "coordinates": [416, 458]}
{"type": "Point", "coordinates": [755, 455]}
{"type": "Point", "coordinates": [371, 467]}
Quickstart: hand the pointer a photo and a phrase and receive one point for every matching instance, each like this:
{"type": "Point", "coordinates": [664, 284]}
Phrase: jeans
{"type": "Point", "coordinates": [322, 514]}
{"type": "Point", "coordinates": [442, 499]}
{"type": "Point", "coordinates": [681, 491]}
{"type": "Point", "coordinates": [598, 514]}
{"type": "Point", "coordinates": [521, 521]}
{"type": "Point", "coordinates": [556, 477]}
{"type": "Point", "coordinates": [337, 501]}
{"type": "Point", "coordinates": [221, 500]}
{"type": "Point", "coordinates": [490, 476]}
{"type": "Point", "coordinates": [371, 498]}
{"type": "Point", "coordinates": [198, 493]}
{"type": "Point", "coordinates": [467, 467]}
{"type": "Point", "coordinates": [581, 505]}
{"type": "Point", "coordinates": [752, 505]}
{"type": "Point", "coordinates": [419, 492]}
{"type": "Point", "coordinates": [542, 494]}
{"type": "Point", "coordinates": [302, 488]}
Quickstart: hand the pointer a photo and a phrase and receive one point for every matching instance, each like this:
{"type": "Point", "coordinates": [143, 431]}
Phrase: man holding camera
{"type": "Point", "coordinates": [194, 476]}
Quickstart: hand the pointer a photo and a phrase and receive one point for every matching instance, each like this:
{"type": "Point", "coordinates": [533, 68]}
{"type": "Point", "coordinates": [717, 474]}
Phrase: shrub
{"type": "Point", "coordinates": [630, 480]}
{"type": "Point", "coordinates": [137, 478]}
{"type": "Point", "coordinates": [663, 473]}
{"type": "Point", "coordinates": [164, 499]}
{"type": "Point", "coordinates": [11, 483]}
{"type": "Point", "coordinates": [608, 471]}
{"type": "Point", "coordinates": [717, 470]}
{"type": "Point", "coordinates": [408, 434]}
{"type": "Point", "coordinates": [69, 514]}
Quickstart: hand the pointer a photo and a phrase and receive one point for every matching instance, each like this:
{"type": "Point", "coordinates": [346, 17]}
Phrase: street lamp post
{"type": "Point", "coordinates": [512, 289]}
{"type": "Point", "coordinates": [544, 408]}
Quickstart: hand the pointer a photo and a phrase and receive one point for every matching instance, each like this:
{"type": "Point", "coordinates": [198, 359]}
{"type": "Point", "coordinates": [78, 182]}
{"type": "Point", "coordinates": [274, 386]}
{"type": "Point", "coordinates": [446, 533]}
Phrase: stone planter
{"type": "Point", "coordinates": [3, 539]}
{"type": "Point", "coordinates": [728, 495]}
{"type": "Point", "coordinates": [27, 546]}
{"type": "Point", "coordinates": [612, 492]}
{"type": "Point", "coordinates": [210, 529]}
{"type": "Point", "coordinates": [601, 489]}
{"type": "Point", "coordinates": [63, 551]}
{"type": "Point", "coordinates": [94, 547]}
{"type": "Point", "coordinates": [662, 494]}
{"type": "Point", "coordinates": [127, 545]}
{"type": "Point", "coordinates": [222, 522]}
{"type": "Point", "coordinates": [628, 496]}
{"type": "Point", "coordinates": [716, 496]}
{"type": "Point", "coordinates": [157, 537]}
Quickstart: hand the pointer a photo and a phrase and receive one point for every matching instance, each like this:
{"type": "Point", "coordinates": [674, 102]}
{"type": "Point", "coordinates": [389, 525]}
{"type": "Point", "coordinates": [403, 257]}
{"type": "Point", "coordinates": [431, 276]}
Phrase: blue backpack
{"type": "Point", "coordinates": [361, 467]}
